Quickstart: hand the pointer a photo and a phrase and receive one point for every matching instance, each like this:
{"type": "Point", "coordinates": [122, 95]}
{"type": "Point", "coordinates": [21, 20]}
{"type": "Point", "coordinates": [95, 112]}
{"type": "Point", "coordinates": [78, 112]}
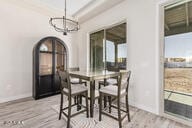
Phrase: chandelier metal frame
{"type": "Point", "coordinates": [64, 29]}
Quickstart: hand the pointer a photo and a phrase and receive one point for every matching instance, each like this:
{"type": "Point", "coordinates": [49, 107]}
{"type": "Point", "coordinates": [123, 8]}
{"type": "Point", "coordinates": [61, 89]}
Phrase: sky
{"type": "Point", "coordinates": [179, 45]}
{"type": "Point", "coordinates": [110, 51]}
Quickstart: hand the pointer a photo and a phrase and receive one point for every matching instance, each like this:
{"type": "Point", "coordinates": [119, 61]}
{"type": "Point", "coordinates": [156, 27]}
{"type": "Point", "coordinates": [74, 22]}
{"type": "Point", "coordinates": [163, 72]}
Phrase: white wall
{"type": "Point", "coordinates": [142, 48]}
{"type": "Point", "coordinates": [20, 30]}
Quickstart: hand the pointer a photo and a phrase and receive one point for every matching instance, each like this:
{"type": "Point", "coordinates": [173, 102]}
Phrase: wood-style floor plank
{"type": "Point", "coordinates": [40, 114]}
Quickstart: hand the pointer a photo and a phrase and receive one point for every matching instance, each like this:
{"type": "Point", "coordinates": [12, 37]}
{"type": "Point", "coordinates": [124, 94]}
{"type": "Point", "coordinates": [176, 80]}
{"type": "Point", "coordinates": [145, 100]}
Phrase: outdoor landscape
{"type": "Point", "coordinates": [178, 79]}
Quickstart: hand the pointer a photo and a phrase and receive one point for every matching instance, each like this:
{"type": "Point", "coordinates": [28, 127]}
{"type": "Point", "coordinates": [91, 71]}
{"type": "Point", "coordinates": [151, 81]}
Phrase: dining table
{"type": "Point", "coordinates": [92, 76]}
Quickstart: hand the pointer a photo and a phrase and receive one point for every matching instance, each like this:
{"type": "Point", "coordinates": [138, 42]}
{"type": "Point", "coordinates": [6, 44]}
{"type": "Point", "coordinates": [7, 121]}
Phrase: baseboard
{"type": "Point", "coordinates": [12, 98]}
{"type": "Point", "coordinates": [143, 107]}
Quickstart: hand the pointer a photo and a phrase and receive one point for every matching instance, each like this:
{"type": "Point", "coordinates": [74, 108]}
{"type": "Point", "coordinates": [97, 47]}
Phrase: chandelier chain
{"type": "Point", "coordinates": [65, 14]}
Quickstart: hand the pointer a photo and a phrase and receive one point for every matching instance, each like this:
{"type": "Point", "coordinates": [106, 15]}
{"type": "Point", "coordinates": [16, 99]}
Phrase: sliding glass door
{"type": "Point", "coordinates": [178, 60]}
{"type": "Point", "coordinates": [97, 53]}
{"type": "Point", "coordinates": [116, 47]}
{"type": "Point", "coordinates": [108, 49]}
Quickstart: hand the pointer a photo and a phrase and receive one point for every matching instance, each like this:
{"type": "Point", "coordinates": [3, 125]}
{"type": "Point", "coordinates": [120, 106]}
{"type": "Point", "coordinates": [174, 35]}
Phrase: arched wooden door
{"type": "Point", "coordinates": [49, 54]}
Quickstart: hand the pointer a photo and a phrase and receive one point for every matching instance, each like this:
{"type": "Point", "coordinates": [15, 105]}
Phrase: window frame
{"type": "Point", "coordinates": [104, 29]}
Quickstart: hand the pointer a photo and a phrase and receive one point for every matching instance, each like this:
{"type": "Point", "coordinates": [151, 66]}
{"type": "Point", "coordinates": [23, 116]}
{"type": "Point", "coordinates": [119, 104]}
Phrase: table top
{"type": "Point", "coordinates": [93, 75]}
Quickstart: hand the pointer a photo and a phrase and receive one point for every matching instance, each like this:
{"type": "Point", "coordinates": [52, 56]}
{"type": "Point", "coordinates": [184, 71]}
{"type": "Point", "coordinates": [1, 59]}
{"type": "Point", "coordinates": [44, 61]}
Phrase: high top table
{"type": "Point", "coordinates": [91, 76]}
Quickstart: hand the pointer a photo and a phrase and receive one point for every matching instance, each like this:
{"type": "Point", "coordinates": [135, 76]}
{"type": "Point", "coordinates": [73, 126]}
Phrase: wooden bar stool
{"type": "Point", "coordinates": [71, 91]}
{"type": "Point", "coordinates": [109, 81]}
{"type": "Point", "coordinates": [105, 82]}
{"type": "Point", "coordinates": [117, 92]}
{"type": "Point", "coordinates": [77, 81]}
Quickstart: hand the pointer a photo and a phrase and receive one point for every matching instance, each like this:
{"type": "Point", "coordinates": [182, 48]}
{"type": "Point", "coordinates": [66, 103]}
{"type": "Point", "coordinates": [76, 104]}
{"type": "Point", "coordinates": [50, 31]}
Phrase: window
{"type": "Point", "coordinates": [108, 48]}
{"type": "Point", "coordinates": [178, 60]}
{"type": "Point", "coordinates": [110, 52]}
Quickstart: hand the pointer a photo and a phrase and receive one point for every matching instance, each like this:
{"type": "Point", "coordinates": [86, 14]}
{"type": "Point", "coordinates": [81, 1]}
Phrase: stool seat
{"type": "Point", "coordinates": [76, 88]}
{"type": "Point", "coordinates": [109, 81]}
{"type": "Point", "coordinates": [75, 80]}
{"type": "Point", "coordinates": [112, 90]}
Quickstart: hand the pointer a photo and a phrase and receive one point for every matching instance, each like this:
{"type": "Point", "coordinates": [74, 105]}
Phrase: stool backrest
{"type": "Point", "coordinates": [64, 80]}
{"type": "Point", "coordinates": [123, 82]}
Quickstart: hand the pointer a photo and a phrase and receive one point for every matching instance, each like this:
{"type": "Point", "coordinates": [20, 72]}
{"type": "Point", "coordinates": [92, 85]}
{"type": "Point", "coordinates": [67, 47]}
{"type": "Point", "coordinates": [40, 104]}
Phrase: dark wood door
{"type": "Point", "coordinates": [49, 54]}
{"type": "Point", "coordinates": [45, 85]}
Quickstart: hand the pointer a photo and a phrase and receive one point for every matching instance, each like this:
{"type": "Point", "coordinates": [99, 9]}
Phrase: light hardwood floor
{"type": "Point", "coordinates": [40, 114]}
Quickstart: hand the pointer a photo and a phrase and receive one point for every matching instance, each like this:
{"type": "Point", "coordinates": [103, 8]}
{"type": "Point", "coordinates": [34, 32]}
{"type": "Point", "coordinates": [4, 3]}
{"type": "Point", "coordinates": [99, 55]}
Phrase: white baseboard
{"type": "Point", "coordinates": [12, 98]}
{"type": "Point", "coordinates": [143, 107]}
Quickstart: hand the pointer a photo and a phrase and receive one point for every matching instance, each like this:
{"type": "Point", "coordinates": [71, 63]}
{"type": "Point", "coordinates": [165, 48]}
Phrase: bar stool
{"type": "Point", "coordinates": [71, 90]}
{"type": "Point", "coordinates": [117, 92]}
{"type": "Point", "coordinates": [109, 81]}
{"type": "Point", "coordinates": [105, 82]}
{"type": "Point", "coordinates": [77, 80]}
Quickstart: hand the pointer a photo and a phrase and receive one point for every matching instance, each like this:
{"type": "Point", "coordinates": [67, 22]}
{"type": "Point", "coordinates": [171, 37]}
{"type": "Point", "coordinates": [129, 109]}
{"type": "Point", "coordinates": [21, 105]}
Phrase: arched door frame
{"type": "Point", "coordinates": [60, 41]}
{"type": "Point", "coordinates": [48, 84]}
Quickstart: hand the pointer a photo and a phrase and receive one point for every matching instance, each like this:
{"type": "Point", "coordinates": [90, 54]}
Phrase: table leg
{"type": "Point", "coordinates": [92, 97]}
{"type": "Point", "coordinates": [105, 98]}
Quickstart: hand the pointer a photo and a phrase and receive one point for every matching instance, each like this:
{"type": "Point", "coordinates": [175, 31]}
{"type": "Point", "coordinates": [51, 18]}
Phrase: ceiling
{"type": "Point", "coordinates": [178, 18]}
{"type": "Point", "coordinates": [117, 34]}
{"type": "Point", "coordinates": [73, 6]}
{"type": "Point", "coordinates": [81, 10]}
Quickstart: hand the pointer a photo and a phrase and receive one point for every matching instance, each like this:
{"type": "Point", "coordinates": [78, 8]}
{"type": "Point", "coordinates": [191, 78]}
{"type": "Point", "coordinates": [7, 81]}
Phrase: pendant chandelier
{"type": "Point", "coordinates": [63, 24]}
